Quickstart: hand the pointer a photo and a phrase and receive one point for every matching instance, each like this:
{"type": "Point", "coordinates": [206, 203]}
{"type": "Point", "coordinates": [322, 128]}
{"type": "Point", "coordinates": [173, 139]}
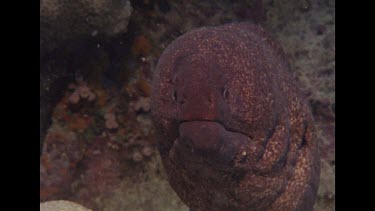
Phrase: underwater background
{"type": "Point", "coordinates": [97, 60]}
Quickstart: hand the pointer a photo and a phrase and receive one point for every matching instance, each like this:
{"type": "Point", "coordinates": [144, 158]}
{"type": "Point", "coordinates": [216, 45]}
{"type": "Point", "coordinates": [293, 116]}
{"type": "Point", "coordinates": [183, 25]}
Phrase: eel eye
{"type": "Point", "coordinates": [225, 93]}
{"type": "Point", "coordinates": [174, 95]}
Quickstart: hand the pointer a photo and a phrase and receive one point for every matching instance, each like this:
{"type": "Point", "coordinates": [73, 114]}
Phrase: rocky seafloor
{"type": "Point", "coordinates": [97, 137]}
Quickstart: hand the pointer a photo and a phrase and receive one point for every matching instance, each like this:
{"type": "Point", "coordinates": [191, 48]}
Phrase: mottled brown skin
{"type": "Point", "coordinates": [234, 131]}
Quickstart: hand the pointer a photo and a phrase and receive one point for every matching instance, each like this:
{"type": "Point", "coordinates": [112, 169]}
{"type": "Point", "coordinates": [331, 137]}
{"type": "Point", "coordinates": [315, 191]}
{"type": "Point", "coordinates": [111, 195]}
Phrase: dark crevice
{"type": "Point", "coordinates": [238, 176]}
{"type": "Point", "coordinates": [216, 121]}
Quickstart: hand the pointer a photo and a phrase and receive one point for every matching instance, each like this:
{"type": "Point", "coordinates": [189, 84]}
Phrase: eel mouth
{"type": "Point", "coordinates": [205, 141]}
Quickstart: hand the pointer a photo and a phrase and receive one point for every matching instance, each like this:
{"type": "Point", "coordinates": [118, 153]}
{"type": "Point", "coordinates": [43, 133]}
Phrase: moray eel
{"type": "Point", "coordinates": [234, 131]}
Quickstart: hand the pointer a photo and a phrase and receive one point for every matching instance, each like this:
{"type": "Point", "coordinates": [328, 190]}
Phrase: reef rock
{"type": "Point", "coordinates": [62, 19]}
{"type": "Point", "coordinates": [68, 30]}
{"type": "Point", "coordinates": [62, 205]}
{"type": "Point", "coordinates": [234, 131]}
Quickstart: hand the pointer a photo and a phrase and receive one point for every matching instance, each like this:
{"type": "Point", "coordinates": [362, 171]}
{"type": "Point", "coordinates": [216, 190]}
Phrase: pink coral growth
{"type": "Point", "coordinates": [142, 104]}
{"type": "Point", "coordinates": [137, 156]}
{"type": "Point", "coordinates": [81, 91]}
{"type": "Point", "coordinates": [110, 121]}
{"type": "Point", "coordinates": [147, 151]}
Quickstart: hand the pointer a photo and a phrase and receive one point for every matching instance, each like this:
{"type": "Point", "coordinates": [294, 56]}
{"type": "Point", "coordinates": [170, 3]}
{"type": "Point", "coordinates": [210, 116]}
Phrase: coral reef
{"type": "Point", "coordinates": [61, 153]}
{"type": "Point", "coordinates": [62, 20]}
{"type": "Point", "coordinates": [94, 138]}
{"type": "Point", "coordinates": [67, 30]}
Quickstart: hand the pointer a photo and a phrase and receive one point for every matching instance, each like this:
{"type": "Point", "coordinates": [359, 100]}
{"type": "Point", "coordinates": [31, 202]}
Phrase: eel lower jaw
{"type": "Point", "coordinates": [209, 142]}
